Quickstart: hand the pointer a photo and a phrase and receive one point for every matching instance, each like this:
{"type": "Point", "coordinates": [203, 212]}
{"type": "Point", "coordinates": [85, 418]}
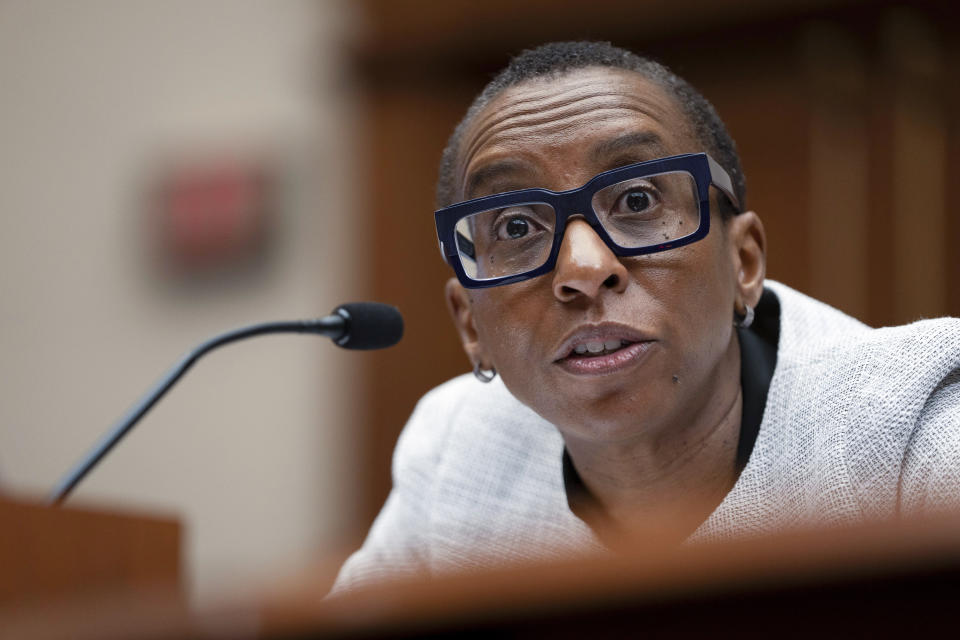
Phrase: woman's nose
{"type": "Point", "coordinates": [586, 266]}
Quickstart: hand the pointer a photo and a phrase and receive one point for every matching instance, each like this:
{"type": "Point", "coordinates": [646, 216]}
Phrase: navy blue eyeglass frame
{"type": "Point", "coordinates": [702, 167]}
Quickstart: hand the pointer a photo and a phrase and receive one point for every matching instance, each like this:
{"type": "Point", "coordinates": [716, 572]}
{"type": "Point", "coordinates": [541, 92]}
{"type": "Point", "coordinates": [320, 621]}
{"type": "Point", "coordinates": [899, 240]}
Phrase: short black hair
{"type": "Point", "coordinates": [557, 58]}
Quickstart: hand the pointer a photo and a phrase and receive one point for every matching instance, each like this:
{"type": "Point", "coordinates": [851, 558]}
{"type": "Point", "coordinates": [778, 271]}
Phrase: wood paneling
{"type": "Point", "coordinates": [406, 128]}
{"type": "Point", "coordinates": [838, 213]}
{"type": "Point", "coordinates": [952, 235]}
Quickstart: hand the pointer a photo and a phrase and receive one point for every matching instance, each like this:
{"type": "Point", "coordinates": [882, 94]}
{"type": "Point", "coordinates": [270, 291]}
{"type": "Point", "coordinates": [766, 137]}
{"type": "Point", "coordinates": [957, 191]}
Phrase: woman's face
{"type": "Point", "coordinates": [665, 319]}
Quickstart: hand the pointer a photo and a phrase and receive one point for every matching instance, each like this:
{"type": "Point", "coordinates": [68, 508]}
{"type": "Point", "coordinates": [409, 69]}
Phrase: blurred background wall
{"type": "Point", "coordinates": [105, 106]}
{"type": "Point", "coordinates": [119, 120]}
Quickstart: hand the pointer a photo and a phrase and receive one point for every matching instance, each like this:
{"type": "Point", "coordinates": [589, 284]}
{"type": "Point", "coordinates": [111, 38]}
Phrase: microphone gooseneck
{"type": "Point", "coordinates": [358, 325]}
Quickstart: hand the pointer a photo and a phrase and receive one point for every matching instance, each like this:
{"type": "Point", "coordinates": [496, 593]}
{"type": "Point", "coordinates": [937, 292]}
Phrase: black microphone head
{"type": "Point", "coordinates": [369, 325]}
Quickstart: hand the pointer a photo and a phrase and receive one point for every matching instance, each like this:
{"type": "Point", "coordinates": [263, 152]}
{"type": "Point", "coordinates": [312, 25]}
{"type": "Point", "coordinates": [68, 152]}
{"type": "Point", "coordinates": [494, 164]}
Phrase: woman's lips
{"type": "Point", "coordinates": [606, 361]}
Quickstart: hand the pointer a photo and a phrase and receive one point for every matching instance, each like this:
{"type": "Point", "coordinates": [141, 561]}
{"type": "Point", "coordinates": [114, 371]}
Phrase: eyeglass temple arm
{"type": "Point", "coordinates": [464, 245]}
{"type": "Point", "coordinates": [721, 179]}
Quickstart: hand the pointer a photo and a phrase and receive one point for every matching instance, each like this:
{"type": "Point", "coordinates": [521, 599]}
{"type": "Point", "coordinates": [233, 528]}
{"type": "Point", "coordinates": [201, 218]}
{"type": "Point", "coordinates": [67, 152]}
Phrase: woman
{"type": "Point", "coordinates": [631, 365]}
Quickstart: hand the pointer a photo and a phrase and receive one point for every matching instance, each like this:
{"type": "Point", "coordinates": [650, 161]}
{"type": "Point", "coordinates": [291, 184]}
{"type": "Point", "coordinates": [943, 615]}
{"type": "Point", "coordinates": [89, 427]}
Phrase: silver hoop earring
{"type": "Point", "coordinates": [484, 375]}
{"type": "Point", "coordinates": [744, 321]}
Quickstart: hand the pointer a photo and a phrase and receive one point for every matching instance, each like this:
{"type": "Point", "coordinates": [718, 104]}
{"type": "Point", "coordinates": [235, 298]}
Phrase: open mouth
{"type": "Point", "coordinates": [595, 348]}
{"type": "Point", "coordinates": [604, 348]}
{"type": "Point", "coordinates": [604, 355]}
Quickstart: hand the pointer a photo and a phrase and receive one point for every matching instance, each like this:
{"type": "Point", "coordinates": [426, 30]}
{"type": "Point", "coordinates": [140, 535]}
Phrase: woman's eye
{"type": "Point", "coordinates": [517, 227]}
{"type": "Point", "coordinates": [637, 201]}
{"type": "Point", "coordinates": [515, 223]}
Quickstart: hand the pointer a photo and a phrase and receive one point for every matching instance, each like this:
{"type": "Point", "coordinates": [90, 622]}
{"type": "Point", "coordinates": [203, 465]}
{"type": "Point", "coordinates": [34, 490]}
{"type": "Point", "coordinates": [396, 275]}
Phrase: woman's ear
{"type": "Point", "coordinates": [460, 307]}
{"type": "Point", "coordinates": [748, 243]}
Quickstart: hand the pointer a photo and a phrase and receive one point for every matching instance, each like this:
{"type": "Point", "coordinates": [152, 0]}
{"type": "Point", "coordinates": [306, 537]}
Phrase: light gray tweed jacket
{"type": "Point", "coordinates": [859, 423]}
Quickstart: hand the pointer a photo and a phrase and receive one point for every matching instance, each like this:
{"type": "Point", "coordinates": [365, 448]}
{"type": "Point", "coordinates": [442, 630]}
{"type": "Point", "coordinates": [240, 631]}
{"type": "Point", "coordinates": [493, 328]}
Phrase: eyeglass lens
{"type": "Point", "coordinates": [636, 213]}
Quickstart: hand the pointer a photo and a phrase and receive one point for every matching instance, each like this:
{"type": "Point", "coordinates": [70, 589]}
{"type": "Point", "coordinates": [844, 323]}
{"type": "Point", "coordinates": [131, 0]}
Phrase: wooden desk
{"type": "Point", "coordinates": [57, 552]}
{"type": "Point", "coordinates": [883, 580]}
{"type": "Point", "coordinates": [887, 580]}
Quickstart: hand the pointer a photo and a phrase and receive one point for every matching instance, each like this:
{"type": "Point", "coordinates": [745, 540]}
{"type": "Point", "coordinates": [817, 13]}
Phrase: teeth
{"type": "Point", "coordinates": [596, 346]}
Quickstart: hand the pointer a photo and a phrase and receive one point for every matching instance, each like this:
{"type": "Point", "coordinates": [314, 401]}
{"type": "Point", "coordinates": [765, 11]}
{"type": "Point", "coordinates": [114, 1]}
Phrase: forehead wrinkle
{"type": "Point", "coordinates": [489, 172]}
{"type": "Point", "coordinates": [545, 107]}
{"type": "Point", "coordinates": [531, 129]}
{"type": "Point", "coordinates": [649, 143]}
{"type": "Point", "coordinates": [537, 95]}
{"type": "Point", "coordinates": [511, 118]}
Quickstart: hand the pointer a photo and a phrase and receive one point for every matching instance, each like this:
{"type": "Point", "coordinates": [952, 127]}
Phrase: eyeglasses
{"type": "Point", "coordinates": [638, 209]}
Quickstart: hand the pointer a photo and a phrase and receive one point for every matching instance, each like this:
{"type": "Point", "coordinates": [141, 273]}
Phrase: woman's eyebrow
{"type": "Point", "coordinates": [641, 145]}
{"type": "Point", "coordinates": [488, 173]}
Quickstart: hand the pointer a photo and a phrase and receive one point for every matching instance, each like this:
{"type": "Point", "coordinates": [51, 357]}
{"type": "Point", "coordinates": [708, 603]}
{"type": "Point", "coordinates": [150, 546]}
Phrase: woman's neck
{"type": "Point", "coordinates": [669, 480]}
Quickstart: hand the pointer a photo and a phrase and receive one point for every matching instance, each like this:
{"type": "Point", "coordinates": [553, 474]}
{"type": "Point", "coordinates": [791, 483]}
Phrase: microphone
{"type": "Point", "coordinates": [357, 325]}
{"type": "Point", "coordinates": [366, 325]}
